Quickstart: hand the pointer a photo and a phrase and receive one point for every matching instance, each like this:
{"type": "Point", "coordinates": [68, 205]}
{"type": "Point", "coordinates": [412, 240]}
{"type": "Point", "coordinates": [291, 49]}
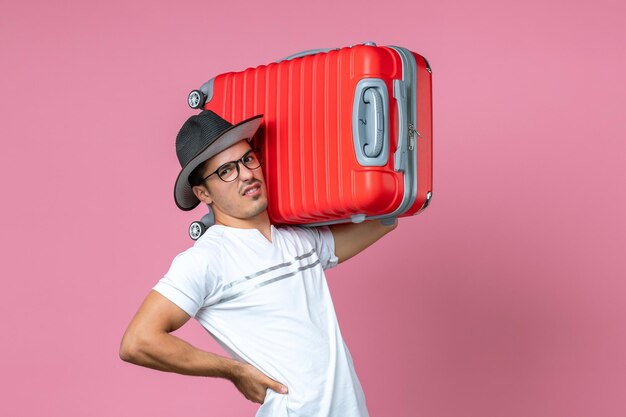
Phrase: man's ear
{"type": "Point", "coordinates": [202, 193]}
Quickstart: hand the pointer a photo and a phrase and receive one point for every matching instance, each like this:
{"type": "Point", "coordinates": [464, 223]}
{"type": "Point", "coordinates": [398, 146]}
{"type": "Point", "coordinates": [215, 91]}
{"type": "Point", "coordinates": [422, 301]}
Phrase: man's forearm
{"type": "Point", "coordinates": [148, 342]}
{"type": "Point", "coordinates": [166, 352]}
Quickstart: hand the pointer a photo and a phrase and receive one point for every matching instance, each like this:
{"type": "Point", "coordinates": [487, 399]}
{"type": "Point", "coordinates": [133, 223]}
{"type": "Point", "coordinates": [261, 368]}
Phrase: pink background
{"type": "Point", "coordinates": [505, 298]}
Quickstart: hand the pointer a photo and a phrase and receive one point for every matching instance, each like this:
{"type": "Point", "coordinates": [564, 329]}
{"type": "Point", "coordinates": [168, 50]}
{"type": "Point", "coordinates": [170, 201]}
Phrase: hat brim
{"type": "Point", "coordinates": [183, 195]}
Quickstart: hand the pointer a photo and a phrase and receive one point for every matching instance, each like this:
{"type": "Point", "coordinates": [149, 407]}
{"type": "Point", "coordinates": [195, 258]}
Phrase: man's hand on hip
{"type": "Point", "coordinates": [253, 383]}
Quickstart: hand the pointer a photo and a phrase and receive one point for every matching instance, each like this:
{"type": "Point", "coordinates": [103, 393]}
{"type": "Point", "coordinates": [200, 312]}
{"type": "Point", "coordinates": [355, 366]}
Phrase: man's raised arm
{"type": "Point", "coordinates": [352, 238]}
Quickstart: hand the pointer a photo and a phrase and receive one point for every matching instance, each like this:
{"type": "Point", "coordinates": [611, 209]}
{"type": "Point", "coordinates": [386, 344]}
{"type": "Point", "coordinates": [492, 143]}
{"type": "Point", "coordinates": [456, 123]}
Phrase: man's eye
{"type": "Point", "coordinates": [225, 171]}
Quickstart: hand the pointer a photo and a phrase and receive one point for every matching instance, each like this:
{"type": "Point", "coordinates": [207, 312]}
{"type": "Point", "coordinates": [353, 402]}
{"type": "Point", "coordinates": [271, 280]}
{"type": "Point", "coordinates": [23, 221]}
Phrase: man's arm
{"type": "Point", "coordinates": [352, 238]}
{"type": "Point", "coordinates": [148, 342]}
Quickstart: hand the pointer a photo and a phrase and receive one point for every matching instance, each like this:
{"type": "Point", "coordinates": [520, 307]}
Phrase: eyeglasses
{"type": "Point", "coordinates": [230, 170]}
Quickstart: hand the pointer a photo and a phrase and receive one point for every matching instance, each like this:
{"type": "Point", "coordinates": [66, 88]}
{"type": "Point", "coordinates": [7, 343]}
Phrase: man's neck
{"type": "Point", "coordinates": [260, 222]}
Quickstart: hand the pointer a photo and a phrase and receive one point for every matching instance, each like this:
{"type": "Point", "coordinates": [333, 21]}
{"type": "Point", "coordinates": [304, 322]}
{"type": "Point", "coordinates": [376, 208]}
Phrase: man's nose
{"type": "Point", "coordinates": [245, 172]}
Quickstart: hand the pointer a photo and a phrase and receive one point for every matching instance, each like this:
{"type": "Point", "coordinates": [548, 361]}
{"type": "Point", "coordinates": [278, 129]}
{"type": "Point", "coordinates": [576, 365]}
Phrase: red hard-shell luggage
{"type": "Point", "coordinates": [347, 133]}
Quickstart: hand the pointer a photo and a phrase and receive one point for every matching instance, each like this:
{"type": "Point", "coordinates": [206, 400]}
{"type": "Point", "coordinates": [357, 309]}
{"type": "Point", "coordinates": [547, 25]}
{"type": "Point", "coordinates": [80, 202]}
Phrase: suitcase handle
{"type": "Point", "coordinates": [400, 157]}
{"type": "Point", "coordinates": [317, 51]}
{"type": "Point", "coordinates": [308, 52]}
{"type": "Point", "coordinates": [370, 122]}
{"type": "Point", "coordinates": [371, 95]}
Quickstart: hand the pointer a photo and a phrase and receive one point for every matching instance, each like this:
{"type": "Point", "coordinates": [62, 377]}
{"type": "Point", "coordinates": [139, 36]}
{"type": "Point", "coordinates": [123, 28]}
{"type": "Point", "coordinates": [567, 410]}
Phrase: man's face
{"type": "Point", "coordinates": [230, 199]}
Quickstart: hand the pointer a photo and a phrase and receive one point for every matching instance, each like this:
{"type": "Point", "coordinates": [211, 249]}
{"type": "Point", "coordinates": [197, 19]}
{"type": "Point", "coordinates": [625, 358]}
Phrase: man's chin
{"type": "Point", "coordinates": [259, 206]}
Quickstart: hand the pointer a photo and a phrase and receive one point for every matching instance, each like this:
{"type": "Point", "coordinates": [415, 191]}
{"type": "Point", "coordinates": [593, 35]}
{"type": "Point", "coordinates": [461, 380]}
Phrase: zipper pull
{"type": "Point", "coordinates": [412, 136]}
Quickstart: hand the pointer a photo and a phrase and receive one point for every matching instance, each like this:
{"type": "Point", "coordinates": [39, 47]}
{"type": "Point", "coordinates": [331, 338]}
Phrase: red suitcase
{"type": "Point", "coordinates": [347, 133]}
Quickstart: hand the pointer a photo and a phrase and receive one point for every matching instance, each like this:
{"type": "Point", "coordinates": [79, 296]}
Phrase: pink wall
{"type": "Point", "coordinates": [505, 298]}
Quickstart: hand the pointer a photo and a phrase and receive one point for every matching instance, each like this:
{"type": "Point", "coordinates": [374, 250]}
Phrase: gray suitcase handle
{"type": "Point", "coordinates": [316, 51]}
{"type": "Point", "coordinates": [371, 95]}
{"type": "Point", "coordinates": [370, 122]}
{"type": "Point", "coordinates": [400, 157]}
{"type": "Point", "coordinates": [305, 53]}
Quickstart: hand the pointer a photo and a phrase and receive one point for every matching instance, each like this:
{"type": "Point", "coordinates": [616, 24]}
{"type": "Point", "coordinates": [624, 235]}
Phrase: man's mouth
{"type": "Point", "coordinates": [252, 189]}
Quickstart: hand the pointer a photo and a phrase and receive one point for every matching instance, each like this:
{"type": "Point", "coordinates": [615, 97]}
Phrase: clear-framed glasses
{"type": "Point", "coordinates": [229, 171]}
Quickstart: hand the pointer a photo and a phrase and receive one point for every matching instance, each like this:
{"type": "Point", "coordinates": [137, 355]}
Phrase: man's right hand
{"type": "Point", "coordinates": [253, 383]}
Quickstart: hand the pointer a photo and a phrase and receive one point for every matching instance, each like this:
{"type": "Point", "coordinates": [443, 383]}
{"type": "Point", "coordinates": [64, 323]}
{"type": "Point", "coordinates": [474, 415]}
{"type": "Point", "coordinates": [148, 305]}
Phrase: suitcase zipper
{"type": "Point", "coordinates": [412, 136]}
{"type": "Point", "coordinates": [409, 79]}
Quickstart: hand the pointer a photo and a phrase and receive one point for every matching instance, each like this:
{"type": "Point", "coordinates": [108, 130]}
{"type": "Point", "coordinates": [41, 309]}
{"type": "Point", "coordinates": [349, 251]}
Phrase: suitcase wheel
{"type": "Point", "coordinates": [196, 99]}
{"type": "Point", "coordinates": [196, 229]}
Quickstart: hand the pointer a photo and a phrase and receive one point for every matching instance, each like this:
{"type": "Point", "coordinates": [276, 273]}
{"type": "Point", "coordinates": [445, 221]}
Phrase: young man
{"type": "Point", "coordinates": [259, 290]}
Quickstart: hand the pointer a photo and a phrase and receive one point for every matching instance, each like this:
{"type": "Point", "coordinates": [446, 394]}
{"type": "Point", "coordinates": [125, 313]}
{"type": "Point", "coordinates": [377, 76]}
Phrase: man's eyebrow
{"type": "Point", "coordinates": [226, 162]}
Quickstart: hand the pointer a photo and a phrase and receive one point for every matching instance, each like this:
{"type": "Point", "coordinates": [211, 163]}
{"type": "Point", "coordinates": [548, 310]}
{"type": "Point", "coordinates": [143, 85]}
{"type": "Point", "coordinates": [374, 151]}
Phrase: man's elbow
{"type": "Point", "coordinates": [390, 227]}
{"type": "Point", "coordinates": [382, 228]}
{"type": "Point", "coordinates": [128, 351]}
{"type": "Point", "coordinates": [131, 348]}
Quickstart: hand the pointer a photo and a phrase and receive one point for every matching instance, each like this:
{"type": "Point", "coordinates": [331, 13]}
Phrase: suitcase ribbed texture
{"type": "Point", "coordinates": [307, 133]}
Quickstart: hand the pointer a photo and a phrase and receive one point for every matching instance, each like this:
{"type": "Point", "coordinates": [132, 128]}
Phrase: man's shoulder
{"type": "Point", "coordinates": [212, 236]}
{"type": "Point", "coordinates": [299, 228]}
{"type": "Point", "coordinates": [291, 229]}
{"type": "Point", "coordinates": [203, 255]}
{"type": "Point", "coordinates": [208, 243]}
{"type": "Point", "coordinates": [302, 231]}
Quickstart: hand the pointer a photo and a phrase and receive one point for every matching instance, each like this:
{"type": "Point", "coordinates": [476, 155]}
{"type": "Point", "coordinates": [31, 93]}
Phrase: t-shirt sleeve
{"type": "Point", "coordinates": [324, 245]}
{"type": "Point", "coordinates": [187, 283]}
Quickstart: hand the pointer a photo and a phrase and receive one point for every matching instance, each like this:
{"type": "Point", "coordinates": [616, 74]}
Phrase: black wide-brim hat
{"type": "Point", "coordinates": [201, 137]}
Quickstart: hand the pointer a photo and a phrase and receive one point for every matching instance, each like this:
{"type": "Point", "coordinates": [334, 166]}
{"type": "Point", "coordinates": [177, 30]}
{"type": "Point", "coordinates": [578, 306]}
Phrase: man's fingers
{"type": "Point", "coordinates": [278, 387]}
{"type": "Point", "coordinates": [254, 384]}
{"type": "Point", "coordinates": [273, 385]}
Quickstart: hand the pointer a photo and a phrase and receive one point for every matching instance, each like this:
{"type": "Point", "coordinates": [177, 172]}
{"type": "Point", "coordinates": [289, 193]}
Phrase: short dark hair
{"type": "Point", "coordinates": [195, 178]}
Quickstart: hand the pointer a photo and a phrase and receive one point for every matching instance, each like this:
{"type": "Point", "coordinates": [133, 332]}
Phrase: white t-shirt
{"type": "Point", "coordinates": [268, 304]}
